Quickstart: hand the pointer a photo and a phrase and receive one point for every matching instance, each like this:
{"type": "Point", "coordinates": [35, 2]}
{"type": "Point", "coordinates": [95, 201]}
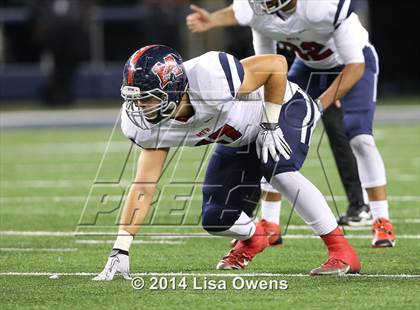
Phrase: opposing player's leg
{"type": "Point", "coordinates": [315, 82]}
{"type": "Point", "coordinates": [297, 121]}
{"type": "Point", "coordinates": [372, 174]}
{"type": "Point", "coordinates": [359, 108]}
{"type": "Point", "coordinates": [230, 194]}
{"type": "Point", "coordinates": [357, 212]}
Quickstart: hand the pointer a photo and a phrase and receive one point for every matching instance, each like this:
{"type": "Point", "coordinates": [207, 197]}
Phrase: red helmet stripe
{"type": "Point", "coordinates": [133, 61]}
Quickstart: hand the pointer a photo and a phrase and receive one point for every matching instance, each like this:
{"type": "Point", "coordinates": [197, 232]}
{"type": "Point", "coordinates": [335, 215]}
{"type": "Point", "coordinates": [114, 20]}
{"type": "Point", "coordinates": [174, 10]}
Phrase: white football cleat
{"type": "Point", "coordinates": [119, 262]}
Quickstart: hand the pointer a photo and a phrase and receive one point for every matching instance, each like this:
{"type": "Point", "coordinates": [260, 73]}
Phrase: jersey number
{"type": "Point", "coordinates": [309, 50]}
{"type": "Point", "coordinates": [220, 135]}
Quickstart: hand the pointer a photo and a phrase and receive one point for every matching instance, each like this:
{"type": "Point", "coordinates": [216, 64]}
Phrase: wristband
{"type": "Point", "coordinates": [319, 105]}
{"type": "Point", "coordinates": [271, 113]}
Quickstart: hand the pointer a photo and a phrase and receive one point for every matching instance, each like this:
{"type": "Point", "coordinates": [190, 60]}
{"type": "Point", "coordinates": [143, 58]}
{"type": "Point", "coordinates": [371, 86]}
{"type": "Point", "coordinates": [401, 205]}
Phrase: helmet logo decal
{"type": "Point", "coordinates": [133, 61]}
{"type": "Point", "coordinates": [165, 71]}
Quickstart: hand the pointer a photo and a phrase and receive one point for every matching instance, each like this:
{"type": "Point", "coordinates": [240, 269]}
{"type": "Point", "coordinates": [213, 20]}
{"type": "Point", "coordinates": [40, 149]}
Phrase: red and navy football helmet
{"type": "Point", "coordinates": [154, 71]}
{"type": "Point", "coordinates": [261, 7]}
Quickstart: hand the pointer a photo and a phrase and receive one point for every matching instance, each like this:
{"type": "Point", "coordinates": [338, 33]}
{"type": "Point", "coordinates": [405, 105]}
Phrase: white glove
{"type": "Point", "coordinates": [271, 139]}
{"type": "Point", "coordinates": [117, 262]}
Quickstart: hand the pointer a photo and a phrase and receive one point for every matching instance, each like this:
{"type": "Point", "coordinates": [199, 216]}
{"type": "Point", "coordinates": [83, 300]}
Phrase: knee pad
{"type": "Point", "coordinates": [363, 144]}
{"type": "Point", "coordinates": [369, 161]}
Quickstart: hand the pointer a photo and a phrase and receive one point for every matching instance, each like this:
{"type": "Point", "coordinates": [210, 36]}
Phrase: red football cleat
{"type": "Point", "coordinates": [244, 251]}
{"type": "Point", "coordinates": [333, 267]}
{"type": "Point", "coordinates": [272, 230]}
{"type": "Point", "coordinates": [342, 257]}
{"type": "Point", "coordinates": [383, 234]}
{"type": "Point", "coordinates": [339, 264]}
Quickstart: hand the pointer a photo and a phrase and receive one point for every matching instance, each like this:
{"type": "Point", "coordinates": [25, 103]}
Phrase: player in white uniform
{"type": "Point", "coordinates": [215, 98]}
{"type": "Point", "coordinates": [334, 61]}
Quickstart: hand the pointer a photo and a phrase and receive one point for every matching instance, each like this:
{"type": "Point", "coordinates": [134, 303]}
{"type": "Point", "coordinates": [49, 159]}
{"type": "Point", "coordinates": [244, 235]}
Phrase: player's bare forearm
{"type": "Point", "coordinates": [343, 83]}
{"type": "Point", "coordinates": [224, 17]}
{"type": "Point", "coordinates": [149, 169]}
{"type": "Point", "coordinates": [202, 20]}
{"type": "Point", "coordinates": [269, 71]}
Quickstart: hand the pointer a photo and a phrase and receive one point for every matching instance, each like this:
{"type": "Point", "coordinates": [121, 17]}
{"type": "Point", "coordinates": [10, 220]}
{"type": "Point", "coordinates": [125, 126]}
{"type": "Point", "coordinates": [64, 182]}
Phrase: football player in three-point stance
{"type": "Point", "coordinates": [334, 61]}
{"type": "Point", "coordinates": [216, 98]}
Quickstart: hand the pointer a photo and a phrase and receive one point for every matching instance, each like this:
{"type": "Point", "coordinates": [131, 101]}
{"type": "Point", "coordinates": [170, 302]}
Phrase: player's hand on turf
{"type": "Point", "coordinates": [199, 21]}
{"type": "Point", "coordinates": [271, 140]}
{"type": "Point", "coordinates": [117, 262]}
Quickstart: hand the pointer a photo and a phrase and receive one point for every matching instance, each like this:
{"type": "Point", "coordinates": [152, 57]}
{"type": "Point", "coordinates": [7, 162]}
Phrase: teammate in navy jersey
{"type": "Point", "coordinates": [335, 63]}
{"type": "Point", "coordinates": [215, 98]}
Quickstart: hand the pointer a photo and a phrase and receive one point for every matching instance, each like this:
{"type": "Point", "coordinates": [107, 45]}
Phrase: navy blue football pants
{"type": "Point", "coordinates": [233, 176]}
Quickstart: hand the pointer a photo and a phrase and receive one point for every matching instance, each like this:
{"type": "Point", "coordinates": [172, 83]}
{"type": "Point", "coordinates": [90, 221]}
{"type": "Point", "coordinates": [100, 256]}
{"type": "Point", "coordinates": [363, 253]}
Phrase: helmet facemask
{"type": "Point", "coordinates": [147, 117]}
{"type": "Point", "coordinates": [261, 7]}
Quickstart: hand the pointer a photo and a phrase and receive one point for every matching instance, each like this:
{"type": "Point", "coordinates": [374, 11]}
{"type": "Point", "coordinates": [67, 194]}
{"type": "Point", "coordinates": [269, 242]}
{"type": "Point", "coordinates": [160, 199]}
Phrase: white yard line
{"type": "Point", "coordinates": [288, 236]}
{"type": "Point", "coordinates": [348, 236]}
{"type": "Point", "coordinates": [38, 249]}
{"type": "Point", "coordinates": [404, 198]}
{"type": "Point", "coordinates": [15, 233]}
{"type": "Point", "coordinates": [169, 235]}
{"type": "Point", "coordinates": [166, 242]}
{"type": "Point", "coordinates": [69, 148]}
{"type": "Point", "coordinates": [349, 228]}
{"type": "Point", "coordinates": [411, 221]}
{"type": "Point", "coordinates": [46, 184]}
{"type": "Point", "coordinates": [191, 274]}
{"type": "Point", "coordinates": [70, 183]}
{"type": "Point", "coordinates": [406, 177]}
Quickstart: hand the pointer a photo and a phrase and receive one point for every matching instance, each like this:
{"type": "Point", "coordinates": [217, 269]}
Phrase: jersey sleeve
{"type": "Point", "coordinates": [326, 15]}
{"type": "Point", "coordinates": [350, 38]}
{"type": "Point", "coordinates": [336, 17]}
{"type": "Point", "coordinates": [216, 77]}
{"type": "Point", "coordinates": [263, 44]}
{"type": "Point", "coordinates": [243, 12]}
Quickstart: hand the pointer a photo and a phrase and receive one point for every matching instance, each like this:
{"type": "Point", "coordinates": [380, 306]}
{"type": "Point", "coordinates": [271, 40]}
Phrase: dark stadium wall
{"type": "Point", "coordinates": [394, 30]}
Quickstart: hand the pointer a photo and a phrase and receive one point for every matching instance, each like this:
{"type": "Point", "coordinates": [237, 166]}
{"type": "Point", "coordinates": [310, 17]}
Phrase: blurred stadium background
{"type": "Point", "coordinates": [69, 53]}
{"type": "Point", "coordinates": [61, 66]}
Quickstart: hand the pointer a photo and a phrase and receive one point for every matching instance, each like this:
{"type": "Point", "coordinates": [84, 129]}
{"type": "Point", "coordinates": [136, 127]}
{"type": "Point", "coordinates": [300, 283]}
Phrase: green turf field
{"type": "Point", "coordinates": [57, 182]}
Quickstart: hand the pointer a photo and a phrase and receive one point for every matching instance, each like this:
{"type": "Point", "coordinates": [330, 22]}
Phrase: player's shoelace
{"type": "Point", "coordinates": [236, 258]}
{"type": "Point", "coordinates": [382, 227]}
{"type": "Point", "coordinates": [272, 231]}
{"type": "Point", "coordinates": [333, 263]}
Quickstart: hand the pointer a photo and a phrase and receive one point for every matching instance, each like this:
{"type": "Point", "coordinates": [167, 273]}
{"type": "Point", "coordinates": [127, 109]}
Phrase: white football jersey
{"type": "Point", "coordinates": [322, 33]}
{"type": "Point", "coordinates": [220, 116]}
